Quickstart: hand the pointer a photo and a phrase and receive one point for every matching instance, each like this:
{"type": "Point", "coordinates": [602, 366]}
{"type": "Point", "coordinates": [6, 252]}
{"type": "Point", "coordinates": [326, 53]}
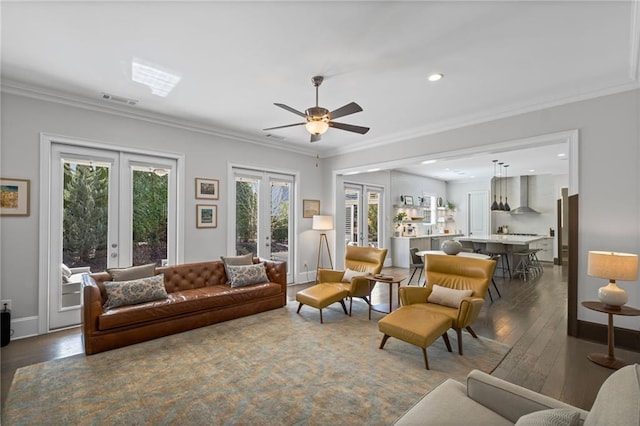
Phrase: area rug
{"type": "Point", "coordinates": [277, 367]}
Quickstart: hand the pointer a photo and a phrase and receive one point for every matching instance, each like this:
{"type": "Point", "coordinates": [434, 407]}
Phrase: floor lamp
{"type": "Point", "coordinates": [322, 223]}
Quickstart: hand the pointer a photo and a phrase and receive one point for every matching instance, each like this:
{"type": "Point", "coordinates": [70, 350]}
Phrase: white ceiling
{"type": "Point", "coordinates": [237, 58]}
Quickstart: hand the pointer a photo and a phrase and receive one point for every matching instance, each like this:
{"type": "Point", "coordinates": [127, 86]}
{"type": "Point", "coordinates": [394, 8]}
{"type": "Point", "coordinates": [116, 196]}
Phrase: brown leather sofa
{"type": "Point", "coordinates": [198, 295]}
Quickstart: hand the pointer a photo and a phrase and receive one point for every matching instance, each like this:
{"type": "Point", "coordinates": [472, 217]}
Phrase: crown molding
{"type": "Point", "coordinates": [483, 117]}
{"type": "Point", "coordinates": [49, 95]}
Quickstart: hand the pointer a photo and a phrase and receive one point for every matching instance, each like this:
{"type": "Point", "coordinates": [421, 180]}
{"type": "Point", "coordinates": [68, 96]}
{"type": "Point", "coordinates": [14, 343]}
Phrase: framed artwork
{"type": "Point", "coordinates": [408, 200]}
{"type": "Point", "coordinates": [206, 216]}
{"type": "Point", "coordinates": [14, 197]}
{"type": "Point", "coordinates": [310, 208]}
{"type": "Point", "coordinates": [207, 189]}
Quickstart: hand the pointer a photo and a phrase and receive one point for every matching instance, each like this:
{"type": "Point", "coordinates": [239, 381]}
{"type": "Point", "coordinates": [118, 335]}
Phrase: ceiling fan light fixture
{"type": "Point", "coordinates": [317, 125]}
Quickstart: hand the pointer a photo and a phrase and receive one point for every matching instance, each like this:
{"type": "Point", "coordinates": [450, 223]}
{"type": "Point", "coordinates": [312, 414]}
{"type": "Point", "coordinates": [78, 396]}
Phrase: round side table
{"type": "Point", "coordinates": [609, 360]}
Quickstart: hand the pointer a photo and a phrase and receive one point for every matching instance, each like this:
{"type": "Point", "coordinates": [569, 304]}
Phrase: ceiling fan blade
{"type": "Point", "coordinates": [349, 127]}
{"type": "Point", "coordinates": [286, 125]}
{"type": "Point", "coordinates": [314, 138]}
{"type": "Point", "coordinates": [351, 108]}
{"type": "Point", "coordinates": [288, 108]}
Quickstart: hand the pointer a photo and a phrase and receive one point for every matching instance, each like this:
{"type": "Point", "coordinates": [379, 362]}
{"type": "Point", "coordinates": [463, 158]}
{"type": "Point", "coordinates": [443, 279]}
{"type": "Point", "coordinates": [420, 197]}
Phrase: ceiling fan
{"type": "Point", "coordinates": [319, 119]}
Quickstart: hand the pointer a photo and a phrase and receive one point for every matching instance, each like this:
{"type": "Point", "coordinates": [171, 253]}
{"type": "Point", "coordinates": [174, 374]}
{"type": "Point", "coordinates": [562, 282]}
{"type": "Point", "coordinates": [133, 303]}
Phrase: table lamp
{"type": "Point", "coordinates": [322, 223]}
{"type": "Point", "coordinates": [614, 266]}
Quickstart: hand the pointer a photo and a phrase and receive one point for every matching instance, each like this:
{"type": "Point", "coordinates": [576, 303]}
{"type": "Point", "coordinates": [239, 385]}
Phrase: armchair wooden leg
{"type": "Point", "coordinates": [384, 340]}
{"type": "Point", "coordinates": [426, 360]}
{"type": "Point", "coordinates": [321, 322]}
{"type": "Point", "coordinates": [445, 337]}
{"type": "Point", "coordinates": [299, 306]}
{"type": "Point", "coordinates": [459, 333]}
{"type": "Point", "coordinates": [473, 333]}
{"type": "Point", "coordinates": [350, 304]}
{"type": "Point", "coordinates": [344, 307]}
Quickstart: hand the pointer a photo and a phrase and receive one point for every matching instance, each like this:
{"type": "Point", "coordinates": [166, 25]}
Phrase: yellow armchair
{"type": "Point", "coordinates": [458, 273]}
{"type": "Point", "coordinates": [364, 260]}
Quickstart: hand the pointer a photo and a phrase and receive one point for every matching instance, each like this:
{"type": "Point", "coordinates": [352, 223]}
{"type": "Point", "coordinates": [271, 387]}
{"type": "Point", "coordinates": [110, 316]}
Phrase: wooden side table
{"type": "Point", "coordinates": [388, 279]}
{"type": "Point", "coordinates": [609, 360]}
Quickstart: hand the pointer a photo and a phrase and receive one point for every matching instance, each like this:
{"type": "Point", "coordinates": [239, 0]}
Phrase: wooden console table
{"type": "Point", "coordinates": [609, 360]}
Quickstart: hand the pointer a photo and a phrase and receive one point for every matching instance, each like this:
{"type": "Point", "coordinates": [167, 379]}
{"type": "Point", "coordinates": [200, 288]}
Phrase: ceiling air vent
{"type": "Point", "coordinates": [119, 99]}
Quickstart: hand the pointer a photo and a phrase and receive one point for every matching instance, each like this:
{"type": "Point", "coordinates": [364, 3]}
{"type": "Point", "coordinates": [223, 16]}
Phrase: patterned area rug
{"type": "Point", "coordinates": [277, 367]}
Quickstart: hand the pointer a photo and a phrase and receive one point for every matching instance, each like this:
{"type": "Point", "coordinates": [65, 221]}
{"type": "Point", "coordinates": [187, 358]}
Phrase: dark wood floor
{"type": "Point", "coordinates": [530, 317]}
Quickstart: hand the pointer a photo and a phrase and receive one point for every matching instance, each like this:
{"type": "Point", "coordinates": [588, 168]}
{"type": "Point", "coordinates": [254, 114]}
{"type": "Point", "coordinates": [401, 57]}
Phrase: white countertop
{"type": "Point", "coordinates": [504, 239]}
{"type": "Point", "coordinates": [431, 236]}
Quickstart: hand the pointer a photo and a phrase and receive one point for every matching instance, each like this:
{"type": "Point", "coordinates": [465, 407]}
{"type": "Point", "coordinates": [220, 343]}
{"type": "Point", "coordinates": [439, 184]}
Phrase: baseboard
{"type": "Point", "coordinates": [24, 327]}
{"type": "Point", "coordinates": [624, 337]}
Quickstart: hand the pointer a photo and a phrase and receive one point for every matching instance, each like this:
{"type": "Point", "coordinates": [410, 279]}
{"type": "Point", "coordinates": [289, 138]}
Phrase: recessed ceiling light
{"type": "Point", "coordinates": [561, 155]}
{"type": "Point", "coordinates": [532, 170]}
{"type": "Point", "coordinates": [435, 76]}
{"type": "Point", "coordinates": [160, 81]}
{"type": "Point", "coordinates": [373, 170]}
{"type": "Point", "coordinates": [429, 161]}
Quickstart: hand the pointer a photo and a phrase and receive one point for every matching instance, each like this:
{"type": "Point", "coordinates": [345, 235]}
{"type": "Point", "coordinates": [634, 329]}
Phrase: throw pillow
{"type": "Point", "coordinates": [132, 273]}
{"type": "Point", "coordinates": [246, 259]}
{"type": "Point", "coordinates": [349, 274]}
{"type": "Point", "coordinates": [66, 272]}
{"type": "Point", "coordinates": [121, 293]}
{"type": "Point", "coordinates": [553, 417]}
{"type": "Point", "coordinates": [242, 275]}
{"type": "Point", "coordinates": [448, 296]}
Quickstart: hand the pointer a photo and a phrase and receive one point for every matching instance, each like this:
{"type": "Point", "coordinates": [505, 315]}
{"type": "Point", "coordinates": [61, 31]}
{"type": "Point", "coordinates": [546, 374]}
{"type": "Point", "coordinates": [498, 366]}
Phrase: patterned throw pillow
{"type": "Point", "coordinates": [552, 417]}
{"type": "Point", "coordinates": [245, 259]}
{"type": "Point", "coordinates": [242, 275]}
{"type": "Point", "coordinates": [121, 293]}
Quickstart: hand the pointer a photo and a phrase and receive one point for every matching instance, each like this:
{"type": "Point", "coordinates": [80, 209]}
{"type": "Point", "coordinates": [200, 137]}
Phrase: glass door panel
{"type": "Point", "coordinates": [373, 217]}
{"type": "Point", "coordinates": [247, 189]}
{"type": "Point", "coordinates": [352, 196]}
{"type": "Point", "coordinates": [149, 215]}
{"type": "Point", "coordinates": [280, 224]}
{"type": "Point", "coordinates": [362, 229]}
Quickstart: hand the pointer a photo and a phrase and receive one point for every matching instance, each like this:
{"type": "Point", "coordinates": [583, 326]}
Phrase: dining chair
{"type": "Point", "coordinates": [417, 263]}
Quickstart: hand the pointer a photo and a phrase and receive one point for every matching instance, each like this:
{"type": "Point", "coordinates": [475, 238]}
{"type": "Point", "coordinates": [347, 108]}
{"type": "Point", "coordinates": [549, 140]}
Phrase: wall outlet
{"type": "Point", "coordinates": [2, 302]}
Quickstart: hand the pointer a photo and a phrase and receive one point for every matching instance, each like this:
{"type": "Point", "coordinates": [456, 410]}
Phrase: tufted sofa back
{"type": "Point", "coordinates": [188, 276]}
{"type": "Point", "coordinates": [460, 273]}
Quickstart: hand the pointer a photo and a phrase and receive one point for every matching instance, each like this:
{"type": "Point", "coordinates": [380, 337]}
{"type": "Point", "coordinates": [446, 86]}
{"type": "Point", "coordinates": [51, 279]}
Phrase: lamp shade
{"type": "Point", "coordinates": [322, 223]}
{"type": "Point", "coordinates": [613, 266]}
{"type": "Point", "coordinates": [317, 127]}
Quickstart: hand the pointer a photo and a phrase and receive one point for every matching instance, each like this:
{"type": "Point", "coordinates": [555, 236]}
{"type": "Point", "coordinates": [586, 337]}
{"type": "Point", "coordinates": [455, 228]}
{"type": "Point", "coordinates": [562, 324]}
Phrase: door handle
{"type": "Point", "coordinates": [114, 255]}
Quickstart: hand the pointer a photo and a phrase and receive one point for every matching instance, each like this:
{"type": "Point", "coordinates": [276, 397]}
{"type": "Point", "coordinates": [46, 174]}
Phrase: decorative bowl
{"type": "Point", "coordinates": [451, 247]}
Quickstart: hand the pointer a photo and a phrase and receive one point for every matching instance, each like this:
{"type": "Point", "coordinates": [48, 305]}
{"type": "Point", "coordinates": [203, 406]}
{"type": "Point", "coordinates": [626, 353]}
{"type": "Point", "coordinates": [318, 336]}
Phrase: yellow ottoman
{"type": "Point", "coordinates": [320, 296]}
{"type": "Point", "coordinates": [417, 326]}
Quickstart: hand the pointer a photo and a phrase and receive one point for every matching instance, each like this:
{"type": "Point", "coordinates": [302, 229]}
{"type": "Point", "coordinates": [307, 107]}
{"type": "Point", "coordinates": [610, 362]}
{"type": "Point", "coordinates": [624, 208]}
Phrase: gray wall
{"type": "Point", "coordinates": [609, 177]}
{"type": "Point", "coordinates": [24, 118]}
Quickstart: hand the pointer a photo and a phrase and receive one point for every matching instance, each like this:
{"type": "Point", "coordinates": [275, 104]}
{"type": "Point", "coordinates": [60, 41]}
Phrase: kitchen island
{"type": "Point", "coordinates": [400, 246]}
{"type": "Point", "coordinates": [512, 243]}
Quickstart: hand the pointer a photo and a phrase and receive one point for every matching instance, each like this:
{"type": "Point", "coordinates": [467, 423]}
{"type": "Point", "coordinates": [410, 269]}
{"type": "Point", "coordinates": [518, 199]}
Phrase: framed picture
{"type": "Point", "coordinates": [310, 208]}
{"type": "Point", "coordinates": [206, 216]}
{"type": "Point", "coordinates": [207, 189]}
{"type": "Point", "coordinates": [14, 197]}
{"type": "Point", "coordinates": [407, 200]}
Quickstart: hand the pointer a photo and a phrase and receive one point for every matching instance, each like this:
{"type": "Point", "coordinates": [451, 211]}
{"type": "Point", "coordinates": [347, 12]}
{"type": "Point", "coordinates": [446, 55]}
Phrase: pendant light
{"type": "Point", "coordinates": [507, 208]}
{"type": "Point", "coordinates": [494, 206]}
{"type": "Point", "coordinates": [500, 205]}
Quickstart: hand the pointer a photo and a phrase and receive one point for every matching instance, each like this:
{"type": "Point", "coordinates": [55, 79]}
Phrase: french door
{"type": "Point", "coordinates": [264, 215]}
{"type": "Point", "coordinates": [363, 215]}
{"type": "Point", "coordinates": [107, 209]}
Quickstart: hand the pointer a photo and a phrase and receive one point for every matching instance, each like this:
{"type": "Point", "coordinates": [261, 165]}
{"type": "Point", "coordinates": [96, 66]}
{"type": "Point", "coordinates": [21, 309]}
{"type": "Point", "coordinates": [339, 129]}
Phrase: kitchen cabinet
{"type": "Point", "coordinates": [546, 249]}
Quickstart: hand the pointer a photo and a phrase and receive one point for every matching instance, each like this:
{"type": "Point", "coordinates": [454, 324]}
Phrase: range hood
{"type": "Point", "coordinates": [524, 198]}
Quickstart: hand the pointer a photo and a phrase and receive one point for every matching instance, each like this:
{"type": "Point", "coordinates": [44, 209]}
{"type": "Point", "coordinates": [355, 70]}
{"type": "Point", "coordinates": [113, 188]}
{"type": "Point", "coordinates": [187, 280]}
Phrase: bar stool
{"type": "Point", "coordinates": [523, 264]}
{"type": "Point", "coordinates": [469, 245]}
{"type": "Point", "coordinates": [493, 249]}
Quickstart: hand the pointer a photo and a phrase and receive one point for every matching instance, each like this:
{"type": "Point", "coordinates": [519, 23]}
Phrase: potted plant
{"type": "Point", "coordinates": [397, 219]}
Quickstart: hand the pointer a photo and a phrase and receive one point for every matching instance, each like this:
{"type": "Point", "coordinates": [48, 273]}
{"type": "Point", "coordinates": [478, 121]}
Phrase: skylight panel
{"type": "Point", "coordinates": [160, 80]}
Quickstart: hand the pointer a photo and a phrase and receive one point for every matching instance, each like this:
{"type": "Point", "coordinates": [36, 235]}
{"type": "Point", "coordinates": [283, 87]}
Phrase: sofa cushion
{"type": "Point", "coordinates": [618, 400]}
{"type": "Point", "coordinates": [187, 302]}
{"type": "Point", "coordinates": [132, 273]}
{"type": "Point", "coordinates": [447, 296]}
{"type": "Point", "coordinates": [121, 293]}
{"type": "Point", "coordinates": [243, 275]}
{"type": "Point", "coordinates": [553, 417]}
